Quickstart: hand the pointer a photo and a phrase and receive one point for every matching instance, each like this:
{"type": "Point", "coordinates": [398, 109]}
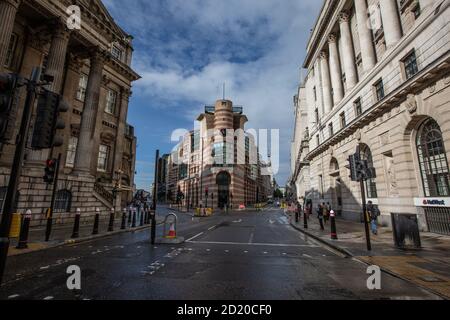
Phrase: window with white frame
{"type": "Point", "coordinates": [82, 85]}
{"type": "Point", "coordinates": [71, 152]}
{"type": "Point", "coordinates": [103, 157]}
{"type": "Point", "coordinates": [111, 100]}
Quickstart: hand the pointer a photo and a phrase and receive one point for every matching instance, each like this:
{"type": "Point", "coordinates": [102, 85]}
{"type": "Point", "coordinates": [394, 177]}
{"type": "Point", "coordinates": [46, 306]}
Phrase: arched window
{"type": "Point", "coordinates": [433, 160]}
{"type": "Point", "coordinates": [371, 185]}
{"type": "Point", "coordinates": [63, 201]}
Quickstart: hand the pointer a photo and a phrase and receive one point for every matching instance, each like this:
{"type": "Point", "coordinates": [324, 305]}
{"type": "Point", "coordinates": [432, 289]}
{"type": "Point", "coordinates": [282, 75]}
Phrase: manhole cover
{"type": "Point", "coordinates": [431, 279]}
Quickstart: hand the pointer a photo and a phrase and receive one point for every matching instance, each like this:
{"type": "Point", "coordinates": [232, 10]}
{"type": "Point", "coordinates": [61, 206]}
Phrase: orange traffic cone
{"type": "Point", "coordinates": [172, 233]}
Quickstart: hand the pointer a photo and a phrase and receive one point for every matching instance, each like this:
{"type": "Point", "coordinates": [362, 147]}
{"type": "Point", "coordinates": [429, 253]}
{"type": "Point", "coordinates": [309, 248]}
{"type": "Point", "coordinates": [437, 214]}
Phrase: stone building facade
{"type": "Point", "coordinates": [91, 69]}
{"type": "Point", "coordinates": [218, 157]}
{"type": "Point", "coordinates": [378, 78]}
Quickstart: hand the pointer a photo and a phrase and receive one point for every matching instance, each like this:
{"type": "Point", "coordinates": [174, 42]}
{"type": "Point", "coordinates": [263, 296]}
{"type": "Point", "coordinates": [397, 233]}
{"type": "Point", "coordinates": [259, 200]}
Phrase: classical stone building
{"type": "Point", "coordinates": [91, 69]}
{"type": "Point", "coordinates": [220, 157]}
{"type": "Point", "coordinates": [378, 77]}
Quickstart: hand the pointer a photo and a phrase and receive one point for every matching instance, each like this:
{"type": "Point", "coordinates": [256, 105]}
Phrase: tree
{"type": "Point", "coordinates": [278, 194]}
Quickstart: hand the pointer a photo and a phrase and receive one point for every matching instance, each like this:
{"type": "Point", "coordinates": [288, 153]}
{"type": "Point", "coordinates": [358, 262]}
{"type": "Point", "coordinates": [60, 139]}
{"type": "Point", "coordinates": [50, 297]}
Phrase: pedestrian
{"type": "Point", "coordinates": [373, 213]}
{"type": "Point", "coordinates": [320, 216]}
{"type": "Point", "coordinates": [299, 211]}
{"type": "Point", "coordinates": [326, 213]}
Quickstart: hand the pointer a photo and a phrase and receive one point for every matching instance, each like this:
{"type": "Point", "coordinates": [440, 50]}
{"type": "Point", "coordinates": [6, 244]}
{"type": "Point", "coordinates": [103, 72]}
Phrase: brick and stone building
{"type": "Point", "coordinates": [91, 69]}
{"type": "Point", "coordinates": [378, 77]}
{"type": "Point", "coordinates": [219, 157]}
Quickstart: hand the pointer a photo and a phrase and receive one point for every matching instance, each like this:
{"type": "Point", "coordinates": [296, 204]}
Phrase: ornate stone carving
{"type": "Point", "coordinates": [344, 17]}
{"type": "Point", "coordinates": [323, 55]}
{"type": "Point", "coordinates": [358, 135]}
{"type": "Point", "coordinates": [432, 88]}
{"type": "Point", "coordinates": [411, 103]}
{"type": "Point", "coordinates": [332, 38]}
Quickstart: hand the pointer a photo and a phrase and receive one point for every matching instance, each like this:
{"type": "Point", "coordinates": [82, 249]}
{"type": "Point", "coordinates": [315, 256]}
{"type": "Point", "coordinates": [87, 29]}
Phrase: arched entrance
{"type": "Point", "coordinates": [223, 181]}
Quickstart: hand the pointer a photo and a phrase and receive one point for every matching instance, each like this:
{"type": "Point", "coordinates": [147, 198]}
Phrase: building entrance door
{"type": "Point", "coordinates": [223, 187]}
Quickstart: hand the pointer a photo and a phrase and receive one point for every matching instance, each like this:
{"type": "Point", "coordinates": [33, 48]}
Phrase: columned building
{"type": "Point", "coordinates": [378, 78]}
{"type": "Point", "coordinates": [91, 69]}
{"type": "Point", "coordinates": [218, 164]}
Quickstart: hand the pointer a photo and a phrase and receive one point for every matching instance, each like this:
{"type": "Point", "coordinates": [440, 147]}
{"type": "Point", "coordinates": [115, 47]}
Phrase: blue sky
{"type": "Point", "coordinates": [186, 49]}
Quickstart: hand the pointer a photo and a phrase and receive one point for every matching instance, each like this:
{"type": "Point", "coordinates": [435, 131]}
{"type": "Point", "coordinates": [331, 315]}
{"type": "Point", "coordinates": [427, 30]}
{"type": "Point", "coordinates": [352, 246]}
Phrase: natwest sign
{"type": "Point", "coordinates": [432, 202]}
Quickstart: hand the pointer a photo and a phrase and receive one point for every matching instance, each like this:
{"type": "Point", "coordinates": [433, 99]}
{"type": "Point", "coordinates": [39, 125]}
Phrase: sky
{"type": "Point", "coordinates": [185, 50]}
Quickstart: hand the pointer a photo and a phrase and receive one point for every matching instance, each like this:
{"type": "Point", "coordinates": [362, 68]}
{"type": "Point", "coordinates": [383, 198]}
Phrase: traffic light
{"type": "Point", "coordinates": [352, 161]}
{"type": "Point", "coordinates": [8, 85]}
{"type": "Point", "coordinates": [50, 170]}
{"type": "Point", "coordinates": [49, 121]}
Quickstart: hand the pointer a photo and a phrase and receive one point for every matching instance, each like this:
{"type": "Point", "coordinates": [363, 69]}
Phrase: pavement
{"type": "Point", "coordinates": [233, 256]}
{"type": "Point", "coordinates": [428, 267]}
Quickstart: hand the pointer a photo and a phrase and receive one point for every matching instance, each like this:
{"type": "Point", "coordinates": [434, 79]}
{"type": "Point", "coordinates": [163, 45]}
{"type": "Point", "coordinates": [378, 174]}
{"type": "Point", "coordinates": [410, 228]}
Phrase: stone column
{"type": "Point", "coordinates": [365, 35]}
{"type": "Point", "coordinates": [335, 66]}
{"type": "Point", "coordinates": [85, 150]}
{"type": "Point", "coordinates": [391, 22]}
{"type": "Point", "coordinates": [120, 137]}
{"type": "Point", "coordinates": [57, 55]}
{"type": "Point", "coordinates": [347, 51]}
{"type": "Point", "coordinates": [55, 68]}
{"type": "Point", "coordinates": [326, 83]}
{"type": "Point", "coordinates": [8, 11]}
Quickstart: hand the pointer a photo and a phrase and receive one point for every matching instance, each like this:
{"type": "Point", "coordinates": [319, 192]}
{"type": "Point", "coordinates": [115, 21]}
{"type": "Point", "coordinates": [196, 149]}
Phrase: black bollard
{"type": "Point", "coordinates": [23, 240]}
{"type": "Point", "coordinates": [305, 219]}
{"type": "Point", "coordinates": [124, 220]}
{"type": "Point", "coordinates": [333, 225]}
{"type": "Point", "coordinates": [133, 223]}
{"type": "Point", "coordinates": [76, 226]}
{"type": "Point", "coordinates": [96, 221]}
{"type": "Point", "coordinates": [111, 221]}
{"type": "Point", "coordinates": [142, 217]}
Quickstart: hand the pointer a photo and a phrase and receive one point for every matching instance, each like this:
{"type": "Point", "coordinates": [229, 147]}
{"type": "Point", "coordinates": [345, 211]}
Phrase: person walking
{"type": "Point", "coordinates": [326, 213]}
{"type": "Point", "coordinates": [373, 213]}
{"type": "Point", "coordinates": [320, 216]}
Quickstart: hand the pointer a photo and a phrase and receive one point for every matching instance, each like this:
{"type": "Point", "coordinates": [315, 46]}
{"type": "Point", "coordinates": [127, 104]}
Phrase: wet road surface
{"type": "Point", "coordinates": [249, 255]}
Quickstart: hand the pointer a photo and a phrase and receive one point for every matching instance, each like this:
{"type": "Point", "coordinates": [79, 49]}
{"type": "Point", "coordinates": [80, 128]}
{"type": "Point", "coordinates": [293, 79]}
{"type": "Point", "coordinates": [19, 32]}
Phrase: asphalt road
{"type": "Point", "coordinates": [249, 255]}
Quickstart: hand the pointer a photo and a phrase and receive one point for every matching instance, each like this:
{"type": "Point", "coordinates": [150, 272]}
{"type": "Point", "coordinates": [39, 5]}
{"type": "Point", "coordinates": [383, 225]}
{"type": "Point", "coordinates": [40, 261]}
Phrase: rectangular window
{"type": "Point", "coordinates": [11, 50]}
{"type": "Point", "coordinates": [318, 140]}
{"type": "Point", "coordinates": [358, 107]}
{"type": "Point", "coordinates": [111, 100]}
{"type": "Point", "coordinates": [183, 172]}
{"type": "Point", "coordinates": [331, 130]}
{"type": "Point", "coordinates": [316, 112]}
{"type": "Point", "coordinates": [71, 152]}
{"type": "Point", "coordinates": [410, 65]}
{"type": "Point", "coordinates": [343, 120]}
{"type": "Point", "coordinates": [117, 53]}
{"type": "Point", "coordinates": [82, 85]}
{"type": "Point", "coordinates": [379, 90]}
{"type": "Point", "coordinates": [103, 157]}
{"type": "Point", "coordinates": [315, 93]}
{"type": "Point", "coordinates": [195, 141]}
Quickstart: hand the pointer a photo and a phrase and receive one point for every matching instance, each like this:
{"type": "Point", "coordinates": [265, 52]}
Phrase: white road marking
{"type": "Point", "coordinates": [44, 268]}
{"type": "Point", "coordinates": [245, 251]}
{"type": "Point", "coordinates": [256, 244]}
{"type": "Point", "coordinates": [212, 228]}
{"type": "Point", "coordinates": [13, 296]}
{"type": "Point", "coordinates": [48, 298]}
{"type": "Point", "coordinates": [250, 241]}
{"type": "Point", "coordinates": [265, 252]}
{"type": "Point", "coordinates": [195, 237]}
{"type": "Point", "coordinates": [307, 255]}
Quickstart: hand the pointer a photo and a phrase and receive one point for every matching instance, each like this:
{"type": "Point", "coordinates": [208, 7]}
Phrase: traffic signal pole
{"type": "Point", "coordinates": [155, 195]}
{"type": "Point", "coordinates": [48, 230]}
{"type": "Point", "coordinates": [16, 169]}
{"type": "Point", "coordinates": [366, 222]}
